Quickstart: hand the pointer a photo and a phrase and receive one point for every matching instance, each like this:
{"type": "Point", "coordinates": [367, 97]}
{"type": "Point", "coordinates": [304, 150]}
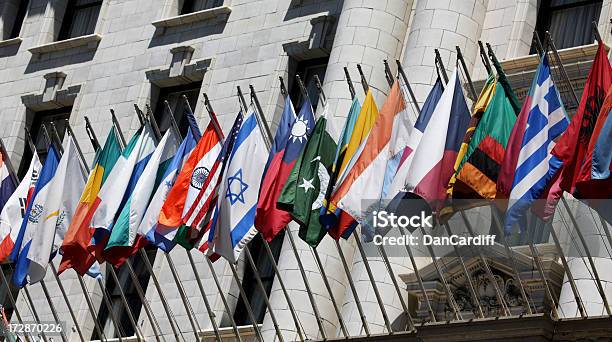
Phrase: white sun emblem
{"type": "Point", "coordinates": [299, 130]}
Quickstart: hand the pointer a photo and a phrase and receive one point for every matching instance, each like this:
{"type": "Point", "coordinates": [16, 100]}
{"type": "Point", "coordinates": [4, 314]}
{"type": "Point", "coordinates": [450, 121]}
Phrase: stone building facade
{"type": "Point", "coordinates": [67, 59]}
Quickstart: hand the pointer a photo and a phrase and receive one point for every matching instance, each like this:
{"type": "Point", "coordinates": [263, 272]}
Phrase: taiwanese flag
{"type": "Point", "coordinates": [574, 145]}
{"type": "Point", "coordinates": [290, 139]}
{"type": "Point", "coordinates": [594, 180]}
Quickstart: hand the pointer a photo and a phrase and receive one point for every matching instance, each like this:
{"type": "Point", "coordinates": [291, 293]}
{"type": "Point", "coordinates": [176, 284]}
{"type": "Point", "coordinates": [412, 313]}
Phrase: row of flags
{"type": "Point", "coordinates": [215, 193]}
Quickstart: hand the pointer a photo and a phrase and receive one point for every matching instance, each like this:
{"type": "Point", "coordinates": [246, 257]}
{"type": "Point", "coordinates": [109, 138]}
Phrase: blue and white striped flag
{"type": "Point", "coordinates": [541, 121]}
{"type": "Point", "coordinates": [239, 191]}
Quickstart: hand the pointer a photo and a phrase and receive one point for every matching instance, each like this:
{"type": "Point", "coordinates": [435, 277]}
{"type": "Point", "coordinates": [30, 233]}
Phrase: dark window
{"type": "Point", "coordinates": [249, 282]}
{"type": "Point", "coordinates": [41, 141]}
{"type": "Point", "coordinates": [19, 18]}
{"type": "Point", "coordinates": [174, 97]}
{"type": "Point", "coordinates": [80, 18]}
{"type": "Point", "coordinates": [190, 6]}
{"type": "Point", "coordinates": [306, 69]}
{"type": "Point", "coordinates": [131, 296]}
{"type": "Point", "coordinates": [568, 21]}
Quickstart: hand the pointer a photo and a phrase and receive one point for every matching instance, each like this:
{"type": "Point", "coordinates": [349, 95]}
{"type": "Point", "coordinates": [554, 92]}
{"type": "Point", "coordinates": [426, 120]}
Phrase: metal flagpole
{"type": "Point", "coordinates": [600, 288]}
{"type": "Point", "coordinates": [34, 312]}
{"type": "Point", "coordinates": [498, 225]}
{"type": "Point", "coordinates": [451, 299]}
{"type": "Point", "coordinates": [295, 252]}
{"type": "Point", "coordinates": [483, 57]}
{"type": "Point", "coordinates": [366, 264]}
{"type": "Point", "coordinates": [63, 290]}
{"type": "Point", "coordinates": [432, 315]}
{"type": "Point", "coordinates": [109, 306]}
{"type": "Point", "coordinates": [145, 303]}
{"type": "Point", "coordinates": [439, 63]}
{"type": "Point", "coordinates": [118, 128]}
{"type": "Point", "coordinates": [571, 215]}
{"type": "Point", "coordinates": [468, 276]}
{"type": "Point", "coordinates": [52, 307]}
{"type": "Point", "coordinates": [267, 135]}
{"type": "Point", "coordinates": [362, 316]}
{"type": "Point", "coordinates": [96, 146]}
{"type": "Point", "coordinates": [380, 249]}
{"type": "Point", "coordinates": [388, 264]}
{"type": "Point", "coordinates": [350, 83]}
{"type": "Point", "coordinates": [11, 297]}
{"type": "Point", "coordinates": [128, 310]}
{"type": "Point", "coordinates": [211, 314]}
{"type": "Point", "coordinates": [364, 258]}
{"type": "Point", "coordinates": [162, 297]}
{"type": "Point", "coordinates": [90, 305]}
{"type": "Point", "coordinates": [151, 119]}
{"type": "Point", "coordinates": [91, 134]}
{"type": "Point", "coordinates": [498, 293]}
{"type": "Point", "coordinates": [364, 82]}
{"type": "Point", "coordinates": [223, 299]}
{"type": "Point", "coordinates": [190, 313]}
{"type": "Point", "coordinates": [144, 256]}
{"type": "Point", "coordinates": [485, 265]}
{"type": "Point", "coordinates": [247, 303]}
{"type": "Point", "coordinates": [263, 292]}
{"type": "Point", "coordinates": [400, 70]}
{"type": "Point", "coordinates": [466, 73]}
{"type": "Point", "coordinates": [13, 175]}
{"type": "Point", "coordinates": [388, 73]}
{"type": "Point", "coordinates": [283, 89]}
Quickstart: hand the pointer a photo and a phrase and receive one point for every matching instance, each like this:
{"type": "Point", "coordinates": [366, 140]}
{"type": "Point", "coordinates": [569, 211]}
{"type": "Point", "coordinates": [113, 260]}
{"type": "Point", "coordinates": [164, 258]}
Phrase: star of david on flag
{"type": "Point", "coordinates": [236, 188]}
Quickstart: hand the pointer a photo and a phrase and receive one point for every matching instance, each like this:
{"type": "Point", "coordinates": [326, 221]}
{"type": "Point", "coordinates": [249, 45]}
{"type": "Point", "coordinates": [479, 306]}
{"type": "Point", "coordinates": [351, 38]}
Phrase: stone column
{"type": "Point", "coordinates": [442, 25]}
{"type": "Point", "coordinates": [597, 243]}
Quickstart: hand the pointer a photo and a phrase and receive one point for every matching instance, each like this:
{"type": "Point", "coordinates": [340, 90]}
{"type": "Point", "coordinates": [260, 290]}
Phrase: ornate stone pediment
{"type": "Point", "coordinates": [503, 271]}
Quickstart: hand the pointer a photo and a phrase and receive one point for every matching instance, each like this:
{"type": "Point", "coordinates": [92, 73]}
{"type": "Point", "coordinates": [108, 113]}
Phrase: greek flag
{"type": "Point", "coordinates": [541, 121]}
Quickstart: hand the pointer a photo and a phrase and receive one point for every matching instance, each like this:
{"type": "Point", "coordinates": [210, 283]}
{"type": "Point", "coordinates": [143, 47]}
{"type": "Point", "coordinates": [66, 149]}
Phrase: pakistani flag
{"type": "Point", "coordinates": [304, 193]}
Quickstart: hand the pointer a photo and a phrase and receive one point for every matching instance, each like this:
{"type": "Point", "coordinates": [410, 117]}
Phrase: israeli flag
{"type": "Point", "coordinates": [238, 192]}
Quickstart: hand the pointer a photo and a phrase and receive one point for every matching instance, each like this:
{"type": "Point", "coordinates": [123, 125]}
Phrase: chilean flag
{"type": "Point", "coordinates": [290, 139]}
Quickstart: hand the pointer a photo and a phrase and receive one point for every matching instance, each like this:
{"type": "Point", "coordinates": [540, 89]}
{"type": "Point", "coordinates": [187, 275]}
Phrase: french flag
{"type": "Point", "coordinates": [429, 167]}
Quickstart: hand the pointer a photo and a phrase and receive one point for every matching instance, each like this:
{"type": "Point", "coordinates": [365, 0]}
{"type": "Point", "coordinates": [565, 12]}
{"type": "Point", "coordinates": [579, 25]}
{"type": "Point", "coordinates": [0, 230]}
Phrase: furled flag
{"type": "Point", "coordinates": [59, 206]}
{"type": "Point", "coordinates": [594, 180]}
{"type": "Point", "coordinates": [364, 180]}
{"type": "Point", "coordinates": [125, 234]}
{"type": "Point", "coordinates": [187, 186]}
{"type": "Point", "coordinates": [429, 167]}
{"type": "Point", "coordinates": [304, 193]}
{"type": "Point", "coordinates": [541, 121]}
{"type": "Point", "coordinates": [118, 187]}
{"type": "Point", "coordinates": [239, 190]}
{"type": "Point", "coordinates": [7, 183]}
{"type": "Point", "coordinates": [397, 183]}
{"type": "Point", "coordinates": [457, 187]}
{"type": "Point", "coordinates": [354, 134]}
{"type": "Point", "coordinates": [74, 248]}
{"type": "Point", "coordinates": [34, 212]}
{"type": "Point", "coordinates": [148, 226]}
{"type": "Point", "coordinates": [570, 152]}
{"type": "Point", "coordinates": [14, 209]}
{"type": "Point", "coordinates": [477, 172]}
{"type": "Point", "coordinates": [270, 220]}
